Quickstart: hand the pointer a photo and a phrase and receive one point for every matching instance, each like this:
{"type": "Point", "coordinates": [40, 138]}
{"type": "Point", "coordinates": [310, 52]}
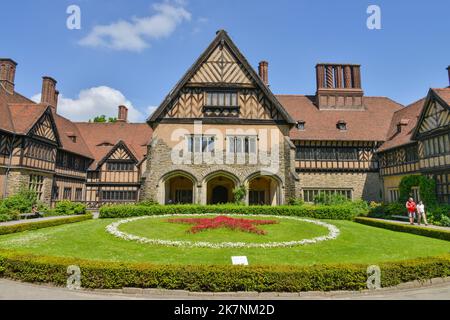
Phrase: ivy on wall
{"type": "Point", "coordinates": [427, 187]}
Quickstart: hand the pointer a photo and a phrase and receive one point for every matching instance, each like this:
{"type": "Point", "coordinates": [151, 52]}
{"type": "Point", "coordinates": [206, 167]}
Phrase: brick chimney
{"type": "Point", "coordinates": [123, 114]}
{"type": "Point", "coordinates": [448, 69]}
{"type": "Point", "coordinates": [339, 86]}
{"type": "Point", "coordinates": [263, 70]}
{"type": "Point", "coordinates": [49, 94]}
{"type": "Point", "coordinates": [7, 74]}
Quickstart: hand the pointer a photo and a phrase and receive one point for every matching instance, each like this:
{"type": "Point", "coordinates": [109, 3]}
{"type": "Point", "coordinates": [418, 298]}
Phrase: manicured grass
{"type": "Point", "coordinates": [285, 230]}
{"type": "Point", "coordinates": [356, 244]}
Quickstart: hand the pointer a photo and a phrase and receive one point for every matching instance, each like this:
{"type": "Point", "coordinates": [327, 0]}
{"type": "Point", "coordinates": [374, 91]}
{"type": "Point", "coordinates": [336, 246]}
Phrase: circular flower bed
{"type": "Point", "coordinates": [113, 228]}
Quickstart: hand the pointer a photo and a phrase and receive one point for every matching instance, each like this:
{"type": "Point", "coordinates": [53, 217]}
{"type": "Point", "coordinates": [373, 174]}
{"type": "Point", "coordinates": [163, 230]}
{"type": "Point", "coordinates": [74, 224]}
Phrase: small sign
{"type": "Point", "coordinates": [240, 261]}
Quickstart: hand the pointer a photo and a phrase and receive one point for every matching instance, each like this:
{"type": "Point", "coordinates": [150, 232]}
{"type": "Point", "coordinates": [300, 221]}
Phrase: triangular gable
{"type": "Point", "coordinates": [221, 63]}
{"type": "Point", "coordinates": [45, 128]}
{"type": "Point", "coordinates": [119, 152]}
{"type": "Point", "coordinates": [435, 115]}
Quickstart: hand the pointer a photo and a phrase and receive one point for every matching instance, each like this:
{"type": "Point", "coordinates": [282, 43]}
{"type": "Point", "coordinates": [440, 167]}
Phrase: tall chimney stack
{"type": "Point", "coordinates": [263, 70]}
{"type": "Point", "coordinates": [448, 69]}
{"type": "Point", "coordinates": [123, 114]}
{"type": "Point", "coordinates": [49, 94]}
{"type": "Point", "coordinates": [7, 74]}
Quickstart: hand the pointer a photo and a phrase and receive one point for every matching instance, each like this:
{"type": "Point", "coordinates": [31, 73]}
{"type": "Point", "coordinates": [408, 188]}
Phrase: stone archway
{"type": "Point", "coordinates": [264, 190]}
{"type": "Point", "coordinates": [177, 187]}
{"type": "Point", "coordinates": [219, 187]}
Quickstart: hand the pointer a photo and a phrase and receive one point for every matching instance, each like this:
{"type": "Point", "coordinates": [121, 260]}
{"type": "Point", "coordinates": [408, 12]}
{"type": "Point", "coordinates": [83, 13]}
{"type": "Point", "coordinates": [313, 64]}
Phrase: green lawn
{"type": "Point", "coordinates": [285, 230]}
{"type": "Point", "coordinates": [356, 244]}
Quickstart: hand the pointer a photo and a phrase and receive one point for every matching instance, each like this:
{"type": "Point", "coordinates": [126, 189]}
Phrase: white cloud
{"type": "Point", "coordinates": [135, 35]}
{"type": "Point", "coordinates": [94, 102]}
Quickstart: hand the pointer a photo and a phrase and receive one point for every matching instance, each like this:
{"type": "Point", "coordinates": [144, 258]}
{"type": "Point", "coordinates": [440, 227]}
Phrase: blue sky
{"type": "Point", "coordinates": [155, 42]}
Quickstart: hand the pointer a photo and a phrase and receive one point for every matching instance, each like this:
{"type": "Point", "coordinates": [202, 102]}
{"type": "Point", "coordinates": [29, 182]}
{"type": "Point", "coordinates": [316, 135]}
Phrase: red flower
{"type": "Point", "coordinates": [246, 225]}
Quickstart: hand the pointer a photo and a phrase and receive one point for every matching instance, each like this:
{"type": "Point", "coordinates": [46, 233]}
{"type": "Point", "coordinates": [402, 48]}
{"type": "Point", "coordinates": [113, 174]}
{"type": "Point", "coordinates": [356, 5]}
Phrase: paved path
{"type": "Point", "coordinates": [439, 289]}
{"type": "Point", "coordinates": [416, 225]}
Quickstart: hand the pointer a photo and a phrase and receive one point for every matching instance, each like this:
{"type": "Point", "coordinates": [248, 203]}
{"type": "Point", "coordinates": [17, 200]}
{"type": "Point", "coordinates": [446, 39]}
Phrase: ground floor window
{"type": "Point", "coordinates": [443, 187]}
{"type": "Point", "coordinates": [36, 184]}
{"type": "Point", "coordinates": [119, 195]}
{"type": "Point", "coordinates": [256, 197]}
{"type": "Point", "coordinates": [183, 196]}
{"type": "Point", "coordinates": [67, 195]}
{"type": "Point", "coordinates": [78, 194]}
{"type": "Point", "coordinates": [394, 195]}
{"type": "Point", "coordinates": [55, 192]}
{"type": "Point", "coordinates": [310, 194]}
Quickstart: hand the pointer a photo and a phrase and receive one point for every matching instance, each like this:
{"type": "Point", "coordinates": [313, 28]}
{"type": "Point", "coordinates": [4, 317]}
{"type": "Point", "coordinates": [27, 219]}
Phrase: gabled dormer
{"type": "Point", "coordinates": [222, 87]}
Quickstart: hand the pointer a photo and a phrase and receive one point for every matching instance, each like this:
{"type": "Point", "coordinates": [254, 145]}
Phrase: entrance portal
{"type": "Point", "coordinates": [220, 190]}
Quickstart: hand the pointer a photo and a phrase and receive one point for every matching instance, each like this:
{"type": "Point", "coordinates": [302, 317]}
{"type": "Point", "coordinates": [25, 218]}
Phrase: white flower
{"type": "Point", "coordinates": [113, 229]}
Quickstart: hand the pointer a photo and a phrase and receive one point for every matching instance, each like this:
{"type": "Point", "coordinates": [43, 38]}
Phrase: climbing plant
{"type": "Point", "coordinates": [426, 185]}
{"type": "Point", "coordinates": [239, 194]}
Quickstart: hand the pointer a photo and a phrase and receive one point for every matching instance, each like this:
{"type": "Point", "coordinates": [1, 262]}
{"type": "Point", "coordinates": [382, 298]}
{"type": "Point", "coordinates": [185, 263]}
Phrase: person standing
{"type": "Point", "coordinates": [411, 207]}
{"type": "Point", "coordinates": [421, 213]}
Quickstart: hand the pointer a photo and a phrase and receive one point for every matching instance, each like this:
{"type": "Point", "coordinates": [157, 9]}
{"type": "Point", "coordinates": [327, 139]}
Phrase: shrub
{"type": "Point", "coordinates": [67, 208]}
{"type": "Point", "coordinates": [23, 201]}
{"type": "Point", "coordinates": [42, 224]}
{"type": "Point", "coordinates": [216, 278]}
{"type": "Point", "coordinates": [339, 212]}
{"type": "Point", "coordinates": [439, 215]}
{"type": "Point", "coordinates": [7, 214]}
{"type": "Point", "coordinates": [295, 202]}
{"type": "Point", "coordinates": [421, 231]}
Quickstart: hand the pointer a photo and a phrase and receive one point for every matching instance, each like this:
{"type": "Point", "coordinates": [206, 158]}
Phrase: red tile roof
{"type": "Point", "coordinates": [411, 113]}
{"type": "Point", "coordinates": [443, 93]}
{"type": "Point", "coordinates": [136, 136]}
{"type": "Point", "coordinates": [370, 124]}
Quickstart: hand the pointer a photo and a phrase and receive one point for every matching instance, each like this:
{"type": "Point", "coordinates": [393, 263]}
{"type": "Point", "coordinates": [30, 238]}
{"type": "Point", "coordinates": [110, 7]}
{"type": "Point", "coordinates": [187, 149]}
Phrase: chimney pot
{"type": "Point", "coordinates": [7, 74]}
{"type": "Point", "coordinates": [123, 114]}
{"type": "Point", "coordinates": [263, 70]}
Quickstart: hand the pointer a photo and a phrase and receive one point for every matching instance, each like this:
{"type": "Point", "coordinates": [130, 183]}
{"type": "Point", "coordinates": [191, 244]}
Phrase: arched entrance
{"type": "Point", "coordinates": [219, 187]}
{"type": "Point", "coordinates": [264, 190]}
{"type": "Point", "coordinates": [178, 188]}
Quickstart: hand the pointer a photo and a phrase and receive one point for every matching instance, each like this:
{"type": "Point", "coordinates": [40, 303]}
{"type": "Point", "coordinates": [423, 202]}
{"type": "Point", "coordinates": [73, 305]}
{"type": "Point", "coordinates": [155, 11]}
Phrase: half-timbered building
{"type": "Point", "coordinates": [221, 127]}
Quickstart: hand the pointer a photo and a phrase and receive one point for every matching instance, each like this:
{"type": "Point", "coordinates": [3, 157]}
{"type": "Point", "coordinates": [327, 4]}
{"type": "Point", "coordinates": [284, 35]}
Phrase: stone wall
{"type": "Point", "coordinates": [160, 165]}
{"type": "Point", "coordinates": [18, 179]}
{"type": "Point", "coordinates": [366, 185]}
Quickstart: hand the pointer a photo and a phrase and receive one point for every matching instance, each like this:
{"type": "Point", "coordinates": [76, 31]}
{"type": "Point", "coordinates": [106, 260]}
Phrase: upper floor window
{"type": "Point", "coordinates": [222, 99]}
{"type": "Point", "coordinates": [119, 166]}
{"type": "Point", "coordinates": [200, 143]}
{"type": "Point", "coordinates": [242, 144]}
{"type": "Point", "coordinates": [437, 145]}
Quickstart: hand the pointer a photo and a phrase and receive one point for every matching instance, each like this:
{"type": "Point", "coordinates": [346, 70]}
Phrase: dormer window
{"type": "Point", "coordinates": [342, 125]}
{"type": "Point", "coordinates": [72, 136]}
{"type": "Point", "coordinates": [222, 99]}
{"type": "Point", "coordinates": [300, 125]}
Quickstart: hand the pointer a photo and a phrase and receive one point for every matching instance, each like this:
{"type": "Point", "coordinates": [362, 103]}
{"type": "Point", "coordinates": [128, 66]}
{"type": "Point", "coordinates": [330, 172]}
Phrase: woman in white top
{"type": "Point", "coordinates": [421, 213]}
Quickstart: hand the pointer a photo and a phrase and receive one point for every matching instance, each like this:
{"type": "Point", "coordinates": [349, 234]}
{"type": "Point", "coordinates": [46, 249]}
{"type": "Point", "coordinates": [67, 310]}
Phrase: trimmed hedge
{"type": "Point", "coordinates": [215, 278]}
{"type": "Point", "coordinates": [42, 224]}
{"type": "Point", "coordinates": [337, 212]}
{"type": "Point", "coordinates": [421, 231]}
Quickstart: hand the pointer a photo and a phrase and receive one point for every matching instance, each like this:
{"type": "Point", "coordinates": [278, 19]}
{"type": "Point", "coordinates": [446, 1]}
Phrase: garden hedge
{"type": "Point", "coordinates": [42, 224]}
{"type": "Point", "coordinates": [215, 278]}
{"type": "Point", "coordinates": [421, 231]}
{"type": "Point", "coordinates": [337, 212]}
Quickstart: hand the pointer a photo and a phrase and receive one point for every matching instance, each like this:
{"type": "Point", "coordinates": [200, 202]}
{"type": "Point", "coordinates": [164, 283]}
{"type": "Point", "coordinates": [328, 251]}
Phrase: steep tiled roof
{"type": "Point", "coordinates": [408, 115]}
{"type": "Point", "coordinates": [371, 124]}
{"type": "Point", "coordinates": [19, 114]}
{"type": "Point", "coordinates": [444, 94]}
{"type": "Point", "coordinates": [102, 137]}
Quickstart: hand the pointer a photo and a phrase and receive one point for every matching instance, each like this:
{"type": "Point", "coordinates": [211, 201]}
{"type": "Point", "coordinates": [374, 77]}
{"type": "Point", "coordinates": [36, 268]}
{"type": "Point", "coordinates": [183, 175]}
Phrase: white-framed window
{"type": "Point", "coordinates": [310, 194]}
{"type": "Point", "coordinates": [415, 193]}
{"type": "Point", "coordinates": [200, 143]}
{"type": "Point", "coordinates": [221, 99]}
{"type": "Point", "coordinates": [36, 184]}
{"type": "Point", "coordinates": [242, 144]}
{"type": "Point", "coordinates": [394, 194]}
